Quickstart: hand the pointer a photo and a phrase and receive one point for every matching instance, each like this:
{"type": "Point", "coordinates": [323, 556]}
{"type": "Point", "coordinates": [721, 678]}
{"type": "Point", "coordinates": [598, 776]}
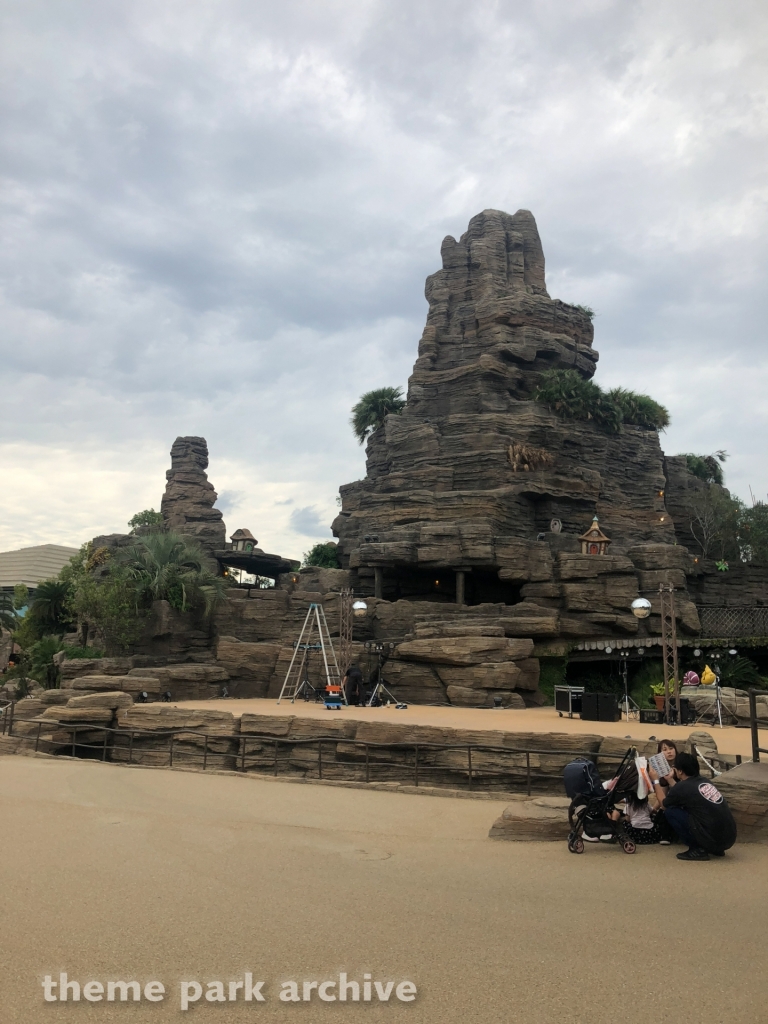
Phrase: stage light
{"type": "Point", "coordinates": [609, 650]}
{"type": "Point", "coordinates": [641, 607]}
{"type": "Point", "coordinates": [359, 609]}
{"type": "Point", "coordinates": [697, 653]}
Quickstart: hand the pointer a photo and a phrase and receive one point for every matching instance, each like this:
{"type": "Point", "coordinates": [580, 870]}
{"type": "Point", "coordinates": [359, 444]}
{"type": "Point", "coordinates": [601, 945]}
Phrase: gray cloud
{"type": "Point", "coordinates": [219, 220]}
{"type": "Point", "coordinates": [308, 522]}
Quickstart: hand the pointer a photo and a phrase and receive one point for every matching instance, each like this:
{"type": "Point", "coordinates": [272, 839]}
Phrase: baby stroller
{"type": "Point", "coordinates": [591, 803]}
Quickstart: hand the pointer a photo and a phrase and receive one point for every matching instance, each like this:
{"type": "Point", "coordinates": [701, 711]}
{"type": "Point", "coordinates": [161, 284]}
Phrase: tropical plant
{"type": "Point", "coordinates": [587, 310]}
{"type": "Point", "coordinates": [171, 567]}
{"type": "Point", "coordinates": [49, 608]}
{"type": "Point", "coordinates": [323, 554]}
{"type": "Point", "coordinates": [372, 410]}
{"type": "Point", "coordinates": [738, 672]}
{"type": "Point", "coordinates": [639, 410]}
{"type": "Point", "coordinates": [109, 603]}
{"type": "Point", "coordinates": [40, 664]}
{"type": "Point", "coordinates": [8, 618]}
{"type": "Point", "coordinates": [572, 396]}
{"type": "Point", "coordinates": [146, 518]}
{"type": "Point", "coordinates": [707, 467]}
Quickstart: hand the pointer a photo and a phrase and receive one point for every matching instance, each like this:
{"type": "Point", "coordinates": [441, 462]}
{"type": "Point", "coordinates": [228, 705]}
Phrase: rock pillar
{"type": "Point", "coordinates": [187, 504]}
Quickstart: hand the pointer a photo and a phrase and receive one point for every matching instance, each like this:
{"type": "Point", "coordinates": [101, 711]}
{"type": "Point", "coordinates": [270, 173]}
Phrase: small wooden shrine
{"type": "Point", "coordinates": [243, 540]}
{"type": "Point", "coordinates": [594, 541]}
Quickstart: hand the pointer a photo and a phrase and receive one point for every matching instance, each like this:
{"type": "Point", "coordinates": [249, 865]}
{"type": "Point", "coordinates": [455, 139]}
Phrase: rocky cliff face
{"type": "Point", "coordinates": [447, 490]}
{"type": "Point", "coordinates": [187, 504]}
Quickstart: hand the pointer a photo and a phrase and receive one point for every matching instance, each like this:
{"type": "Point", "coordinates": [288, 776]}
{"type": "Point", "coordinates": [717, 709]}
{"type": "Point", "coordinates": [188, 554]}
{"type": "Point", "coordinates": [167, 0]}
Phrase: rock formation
{"type": "Point", "coordinates": [187, 504]}
{"type": "Point", "coordinates": [464, 488]}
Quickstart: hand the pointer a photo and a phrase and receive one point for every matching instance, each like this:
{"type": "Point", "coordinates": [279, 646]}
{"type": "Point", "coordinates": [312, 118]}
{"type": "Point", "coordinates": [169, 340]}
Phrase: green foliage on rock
{"type": "Point", "coordinates": [373, 408]}
{"type": "Point", "coordinates": [146, 518]}
{"type": "Point", "coordinates": [324, 555]}
{"type": "Point", "coordinates": [170, 567]}
{"type": "Point", "coordinates": [707, 467]}
{"type": "Point", "coordinates": [572, 396]}
{"type": "Point", "coordinates": [753, 531]}
{"type": "Point", "coordinates": [639, 410]}
{"type": "Point", "coordinates": [586, 310]}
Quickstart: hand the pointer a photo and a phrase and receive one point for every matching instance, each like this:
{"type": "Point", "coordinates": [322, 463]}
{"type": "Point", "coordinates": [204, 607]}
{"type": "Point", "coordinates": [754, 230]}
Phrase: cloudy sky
{"type": "Point", "coordinates": [218, 217]}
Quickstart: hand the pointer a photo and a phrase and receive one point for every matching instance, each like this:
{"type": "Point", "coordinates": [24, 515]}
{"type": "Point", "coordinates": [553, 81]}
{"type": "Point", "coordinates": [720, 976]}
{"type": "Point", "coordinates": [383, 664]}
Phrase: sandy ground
{"type": "Point", "coordinates": [729, 740]}
{"type": "Point", "coordinates": [111, 873]}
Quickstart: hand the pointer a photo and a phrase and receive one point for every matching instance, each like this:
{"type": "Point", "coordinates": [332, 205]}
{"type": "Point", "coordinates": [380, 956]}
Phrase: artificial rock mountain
{"type": "Point", "coordinates": [448, 536]}
{"type": "Point", "coordinates": [443, 492]}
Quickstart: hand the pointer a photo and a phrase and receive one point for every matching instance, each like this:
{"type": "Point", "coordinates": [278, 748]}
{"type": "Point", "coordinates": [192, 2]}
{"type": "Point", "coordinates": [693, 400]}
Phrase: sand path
{"type": "Point", "coordinates": [110, 872]}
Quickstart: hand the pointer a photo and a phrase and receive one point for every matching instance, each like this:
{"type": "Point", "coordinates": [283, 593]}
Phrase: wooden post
{"type": "Point", "coordinates": [378, 582]}
{"type": "Point", "coordinates": [459, 586]}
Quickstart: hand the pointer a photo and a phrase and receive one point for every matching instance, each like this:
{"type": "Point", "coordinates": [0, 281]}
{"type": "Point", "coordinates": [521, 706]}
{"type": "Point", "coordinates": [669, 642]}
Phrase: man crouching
{"type": "Point", "coordinates": [696, 810]}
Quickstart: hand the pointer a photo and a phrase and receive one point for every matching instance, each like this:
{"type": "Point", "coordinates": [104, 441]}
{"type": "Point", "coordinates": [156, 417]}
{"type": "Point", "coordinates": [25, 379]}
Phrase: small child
{"type": "Point", "coordinates": [641, 827]}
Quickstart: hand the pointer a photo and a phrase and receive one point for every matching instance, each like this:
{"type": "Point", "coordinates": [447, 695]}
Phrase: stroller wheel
{"type": "Point", "coordinates": [628, 846]}
{"type": "Point", "coordinates": [576, 845]}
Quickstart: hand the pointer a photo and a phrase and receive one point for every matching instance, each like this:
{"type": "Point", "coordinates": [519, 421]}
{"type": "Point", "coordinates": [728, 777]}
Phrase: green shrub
{"type": "Point", "coordinates": [639, 410]}
{"type": "Point", "coordinates": [706, 467]}
{"type": "Point", "coordinates": [571, 396]}
{"type": "Point", "coordinates": [552, 675]}
{"type": "Point", "coordinates": [323, 554]}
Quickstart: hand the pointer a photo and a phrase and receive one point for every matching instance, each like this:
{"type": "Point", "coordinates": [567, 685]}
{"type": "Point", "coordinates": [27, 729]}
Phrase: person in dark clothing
{"type": "Point", "coordinates": [353, 685]}
{"type": "Point", "coordinates": [696, 810]}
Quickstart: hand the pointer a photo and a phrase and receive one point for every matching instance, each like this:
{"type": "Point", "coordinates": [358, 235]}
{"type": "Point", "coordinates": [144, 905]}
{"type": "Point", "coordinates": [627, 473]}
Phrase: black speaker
{"type": "Point", "coordinates": [608, 708]}
{"type": "Point", "coordinates": [589, 707]}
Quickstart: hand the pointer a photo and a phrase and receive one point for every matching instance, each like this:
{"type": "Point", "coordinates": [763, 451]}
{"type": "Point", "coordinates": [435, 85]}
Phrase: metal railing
{"type": "Point", "coordinates": [737, 620]}
{"type": "Point", "coordinates": [360, 760]}
{"type": "Point", "coordinates": [757, 750]}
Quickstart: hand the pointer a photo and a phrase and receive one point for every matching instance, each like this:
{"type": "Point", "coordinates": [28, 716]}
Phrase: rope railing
{"type": "Point", "coordinates": [276, 755]}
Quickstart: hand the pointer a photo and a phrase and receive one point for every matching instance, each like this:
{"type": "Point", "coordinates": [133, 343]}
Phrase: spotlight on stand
{"type": "Point", "coordinates": [641, 607]}
{"type": "Point", "coordinates": [496, 700]}
{"type": "Point", "coordinates": [143, 697]}
{"type": "Point", "coordinates": [733, 651]}
{"type": "Point", "coordinates": [697, 652]}
{"type": "Point", "coordinates": [359, 608]}
{"type": "Point", "coordinates": [166, 698]}
{"type": "Point", "coordinates": [609, 650]}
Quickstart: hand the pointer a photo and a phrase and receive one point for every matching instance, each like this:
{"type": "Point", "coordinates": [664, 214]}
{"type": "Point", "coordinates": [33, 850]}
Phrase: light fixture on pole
{"type": "Point", "coordinates": [628, 706]}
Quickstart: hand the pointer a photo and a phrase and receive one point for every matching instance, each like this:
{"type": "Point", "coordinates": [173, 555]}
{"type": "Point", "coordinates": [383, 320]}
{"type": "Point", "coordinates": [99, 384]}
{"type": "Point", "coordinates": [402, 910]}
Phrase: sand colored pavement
{"type": "Point", "coordinates": [730, 740]}
{"type": "Point", "coordinates": [117, 873]}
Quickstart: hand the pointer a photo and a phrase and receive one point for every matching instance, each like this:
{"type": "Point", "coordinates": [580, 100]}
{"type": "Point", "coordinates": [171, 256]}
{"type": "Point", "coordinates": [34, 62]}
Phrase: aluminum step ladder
{"type": "Point", "coordinates": [314, 636]}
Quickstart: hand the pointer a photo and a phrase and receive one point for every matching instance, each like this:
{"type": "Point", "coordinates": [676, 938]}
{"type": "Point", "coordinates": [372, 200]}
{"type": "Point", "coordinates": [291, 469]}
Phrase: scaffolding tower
{"type": "Point", "coordinates": [669, 649]}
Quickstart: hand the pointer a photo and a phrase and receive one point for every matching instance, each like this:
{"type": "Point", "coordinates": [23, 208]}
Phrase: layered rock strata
{"type": "Point", "coordinates": [187, 504]}
{"type": "Point", "coordinates": [464, 489]}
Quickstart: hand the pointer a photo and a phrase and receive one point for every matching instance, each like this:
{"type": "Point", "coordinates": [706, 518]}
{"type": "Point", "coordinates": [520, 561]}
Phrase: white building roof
{"type": "Point", "coordinates": [33, 565]}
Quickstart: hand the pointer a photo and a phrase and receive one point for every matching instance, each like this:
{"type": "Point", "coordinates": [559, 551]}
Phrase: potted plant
{"type": "Point", "coordinates": [657, 689]}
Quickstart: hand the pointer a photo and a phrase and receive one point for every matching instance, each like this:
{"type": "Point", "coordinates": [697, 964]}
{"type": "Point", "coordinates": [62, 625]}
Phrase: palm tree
{"type": "Point", "coordinates": [48, 606]}
{"type": "Point", "coordinates": [8, 617]}
{"type": "Point", "coordinates": [373, 408]}
{"type": "Point", "coordinates": [171, 567]}
{"type": "Point", "coordinates": [707, 467]}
